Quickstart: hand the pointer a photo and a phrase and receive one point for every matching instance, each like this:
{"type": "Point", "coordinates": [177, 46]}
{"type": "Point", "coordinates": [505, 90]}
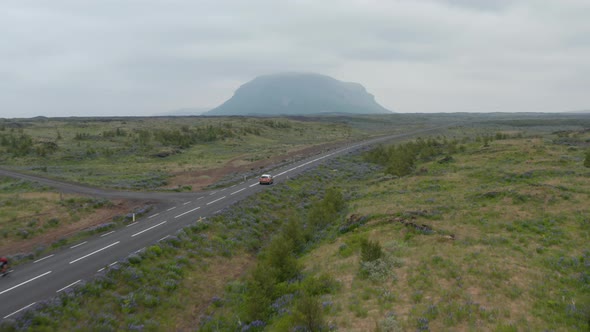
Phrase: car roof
{"type": "Point", "coordinates": [265, 175]}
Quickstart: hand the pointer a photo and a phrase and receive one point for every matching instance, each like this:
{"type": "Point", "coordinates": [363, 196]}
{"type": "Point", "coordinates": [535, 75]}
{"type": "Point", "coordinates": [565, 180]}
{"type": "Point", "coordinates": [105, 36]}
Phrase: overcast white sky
{"type": "Point", "coordinates": [146, 57]}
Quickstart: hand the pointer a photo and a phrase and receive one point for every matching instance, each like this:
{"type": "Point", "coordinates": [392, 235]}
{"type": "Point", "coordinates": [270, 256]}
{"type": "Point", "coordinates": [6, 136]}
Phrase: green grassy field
{"type": "Point", "coordinates": [145, 153]}
{"type": "Point", "coordinates": [492, 234]}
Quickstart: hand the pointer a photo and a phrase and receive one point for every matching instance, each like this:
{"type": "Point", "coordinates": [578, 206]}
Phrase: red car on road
{"type": "Point", "coordinates": [266, 179]}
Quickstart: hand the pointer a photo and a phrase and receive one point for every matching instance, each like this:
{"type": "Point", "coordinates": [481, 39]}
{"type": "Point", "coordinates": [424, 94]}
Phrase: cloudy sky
{"type": "Point", "coordinates": [146, 57]}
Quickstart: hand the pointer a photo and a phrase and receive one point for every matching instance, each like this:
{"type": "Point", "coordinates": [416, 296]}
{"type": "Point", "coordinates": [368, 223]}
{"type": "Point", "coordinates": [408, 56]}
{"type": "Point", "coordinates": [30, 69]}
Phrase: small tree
{"type": "Point", "coordinates": [587, 160]}
{"type": "Point", "coordinates": [309, 314]}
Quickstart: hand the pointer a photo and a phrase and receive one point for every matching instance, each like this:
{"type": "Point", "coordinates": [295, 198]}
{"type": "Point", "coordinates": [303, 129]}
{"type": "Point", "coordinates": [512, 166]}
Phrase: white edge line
{"type": "Point", "coordinates": [164, 238]}
{"type": "Point", "coordinates": [216, 200]}
{"type": "Point", "coordinates": [24, 282]}
{"type": "Point", "coordinates": [132, 224]}
{"type": "Point", "coordinates": [111, 232]}
{"type": "Point", "coordinates": [153, 215]}
{"type": "Point", "coordinates": [235, 192]}
{"type": "Point", "coordinates": [100, 270]}
{"type": "Point", "coordinates": [19, 310]}
{"type": "Point", "coordinates": [94, 252]}
{"type": "Point", "coordinates": [79, 244]}
{"type": "Point", "coordinates": [113, 263]}
{"type": "Point", "coordinates": [68, 286]}
{"type": "Point", "coordinates": [40, 259]}
{"type": "Point", "coordinates": [147, 229]}
{"type": "Point", "coordinates": [189, 211]}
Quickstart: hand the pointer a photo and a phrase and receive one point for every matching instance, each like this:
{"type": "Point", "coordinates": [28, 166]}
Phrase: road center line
{"type": "Point", "coordinates": [189, 211]}
{"type": "Point", "coordinates": [153, 215]}
{"type": "Point", "coordinates": [132, 224]}
{"type": "Point", "coordinates": [185, 203]}
{"type": "Point", "coordinates": [235, 192]}
{"type": "Point", "coordinates": [213, 193]}
{"type": "Point", "coordinates": [252, 185]}
{"type": "Point", "coordinates": [68, 286]}
{"type": "Point", "coordinates": [25, 282]}
{"type": "Point", "coordinates": [200, 198]}
{"type": "Point", "coordinates": [216, 200]}
{"type": "Point", "coordinates": [79, 244]}
{"type": "Point", "coordinates": [40, 259]}
{"type": "Point", "coordinates": [172, 208]}
{"type": "Point", "coordinates": [19, 310]}
{"type": "Point", "coordinates": [111, 232]}
{"type": "Point", "coordinates": [94, 252]}
{"type": "Point", "coordinates": [147, 229]}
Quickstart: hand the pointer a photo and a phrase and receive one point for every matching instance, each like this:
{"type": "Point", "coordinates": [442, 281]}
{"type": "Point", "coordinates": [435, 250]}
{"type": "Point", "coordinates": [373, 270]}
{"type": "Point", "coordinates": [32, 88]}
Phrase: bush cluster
{"type": "Point", "coordinates": [401, 159]}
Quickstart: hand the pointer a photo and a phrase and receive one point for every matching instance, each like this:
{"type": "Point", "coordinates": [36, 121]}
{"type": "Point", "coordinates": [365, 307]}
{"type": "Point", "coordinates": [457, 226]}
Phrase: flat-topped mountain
{"type": "Point", "coordinates": [298, 94]}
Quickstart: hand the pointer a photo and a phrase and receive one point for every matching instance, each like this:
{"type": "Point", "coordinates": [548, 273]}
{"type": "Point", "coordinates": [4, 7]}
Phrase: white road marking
{"type": "Point", "coordinates": [189, 211]}
{"type": "Point", "coordinates": [40, 259]}
{"type": "Point", "coordinates": [200, 198]}
{"type": "Point", "coordinates": [213, 193]}
{"type": "Point", "coordinates": [132, 224]}
{"type": "Point", "coordinates": [79, 244]}
{"type": "Point", "coordinates": [235, 192]}
{"type": "Point", "coordinates": [68, 286]}
{"type": "Point", "coordinates": [172, 208]}
{"type": "Point", "coordinates": [252, 185]}
{"type": "Point", "coordinates": [100, 270]}
{"type": "Point", "coordinates": [24, 282]}
{"type": "Point", "coordinates": [111, 232]}
{"type": "Point", "coordinates": [19, 310]}
{"type": "Point", "coordinates": [94, 252]}
{"type": "Point", "coordinates": [147, 229]}
{"type": "Point", "coordinates": [153, 215]}
{"type": "Point", "coordinates": [185, 203]}
{"type": "Point", "coordinates": [113, 263]}
{"type": "Point", "coordinates": [164, 238]}
{"type": "Point", "coordinates": [216, 200]}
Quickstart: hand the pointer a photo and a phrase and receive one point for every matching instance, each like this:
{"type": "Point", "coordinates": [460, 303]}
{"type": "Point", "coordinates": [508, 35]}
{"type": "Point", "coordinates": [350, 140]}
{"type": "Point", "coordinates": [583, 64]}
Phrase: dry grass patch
{"type": "Point", "coordinates": [200, 287]}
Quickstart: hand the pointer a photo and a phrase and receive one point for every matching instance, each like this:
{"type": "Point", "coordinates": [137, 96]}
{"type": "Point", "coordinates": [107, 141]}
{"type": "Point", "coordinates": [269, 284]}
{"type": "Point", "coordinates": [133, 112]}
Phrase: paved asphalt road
{"type": "Point", "coordinates": [49, 275]}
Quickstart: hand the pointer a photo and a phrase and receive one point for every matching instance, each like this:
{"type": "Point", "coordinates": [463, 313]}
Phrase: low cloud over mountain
{"type": "Point", "coordinates": [298, 94]}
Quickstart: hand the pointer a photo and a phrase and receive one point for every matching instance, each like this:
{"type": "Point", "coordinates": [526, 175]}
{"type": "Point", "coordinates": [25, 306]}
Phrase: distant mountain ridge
{"type": "Point", "coordinates": [299, 94]}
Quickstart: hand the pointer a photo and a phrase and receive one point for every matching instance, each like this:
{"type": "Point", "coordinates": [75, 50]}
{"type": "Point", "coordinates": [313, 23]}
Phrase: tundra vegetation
{"type": "Point", "coordinates": [482, 226]}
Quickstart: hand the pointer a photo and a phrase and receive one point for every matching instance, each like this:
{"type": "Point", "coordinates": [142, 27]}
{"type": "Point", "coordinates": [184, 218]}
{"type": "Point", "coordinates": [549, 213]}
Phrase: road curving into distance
{"type": "Point", "coordinates": [47, 276]}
